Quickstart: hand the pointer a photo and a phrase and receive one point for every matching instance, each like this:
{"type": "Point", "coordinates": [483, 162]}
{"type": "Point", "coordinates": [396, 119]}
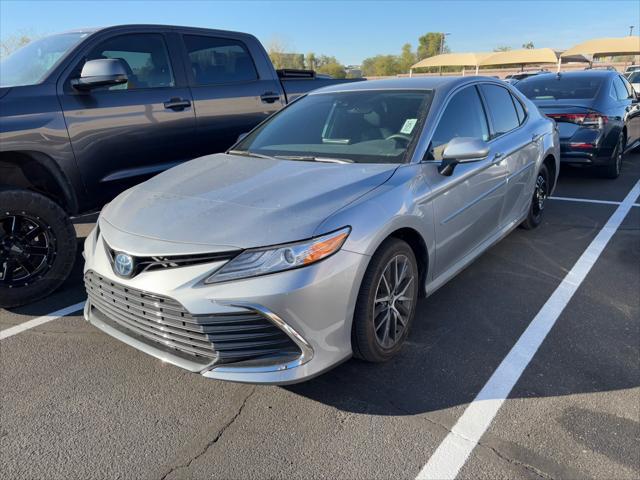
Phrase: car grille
{"type": "Point", "coordinates": [219, 338]}
{"type": "Point", "coordinates": [146, 264]}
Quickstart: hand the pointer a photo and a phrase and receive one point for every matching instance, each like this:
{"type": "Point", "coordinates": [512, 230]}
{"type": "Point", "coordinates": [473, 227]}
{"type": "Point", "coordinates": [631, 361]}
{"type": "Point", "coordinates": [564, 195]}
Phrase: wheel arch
{"type": "Point", "coordinates": [39, 173]}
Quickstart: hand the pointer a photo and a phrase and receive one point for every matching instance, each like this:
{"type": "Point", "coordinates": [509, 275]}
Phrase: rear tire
{"type": "Point", "coordinates": [37, 247]}
{"type": "Point", "coordinates": [386, 302]}
{"type": "Point", "coordinates": [538, 201]}
{"type": "Point", "coordinates": [612, 170]}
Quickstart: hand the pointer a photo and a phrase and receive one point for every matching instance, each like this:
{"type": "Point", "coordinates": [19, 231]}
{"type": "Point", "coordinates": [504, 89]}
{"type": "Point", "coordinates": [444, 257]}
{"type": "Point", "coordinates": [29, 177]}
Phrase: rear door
{"type": "Point", "coordinates": [232, 89]}
{"type": "Point", "coordinates": [625, 95]}
{"type": "Point", "coordinates": [518, 146]}
{"type": "Point", "coordinates": [123, 134]}
{"type": "Point", "coordinates": [468, 203]}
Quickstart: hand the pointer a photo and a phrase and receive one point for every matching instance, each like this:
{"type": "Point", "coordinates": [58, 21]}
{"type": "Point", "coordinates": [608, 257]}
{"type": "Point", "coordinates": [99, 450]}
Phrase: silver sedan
{"type": "Point", "coordinates": [312, 239]}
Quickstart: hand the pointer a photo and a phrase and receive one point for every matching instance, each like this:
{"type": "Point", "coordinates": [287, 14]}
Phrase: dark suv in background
{"type": "Point", "coordinates": [87, 114]}
{"type": "Point", "coordinates": [597, 113]}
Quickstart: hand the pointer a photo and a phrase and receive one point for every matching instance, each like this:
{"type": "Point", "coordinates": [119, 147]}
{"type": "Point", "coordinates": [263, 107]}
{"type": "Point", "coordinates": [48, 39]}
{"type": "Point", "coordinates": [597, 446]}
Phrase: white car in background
{"type": "Point", "coordinates": [634, 80]}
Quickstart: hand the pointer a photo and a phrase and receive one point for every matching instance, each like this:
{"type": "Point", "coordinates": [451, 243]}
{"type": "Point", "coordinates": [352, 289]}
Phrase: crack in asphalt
{"type": "Point", "coordinates": [214, 440]}
{"type": "Point", "coordinates": [497, 452]}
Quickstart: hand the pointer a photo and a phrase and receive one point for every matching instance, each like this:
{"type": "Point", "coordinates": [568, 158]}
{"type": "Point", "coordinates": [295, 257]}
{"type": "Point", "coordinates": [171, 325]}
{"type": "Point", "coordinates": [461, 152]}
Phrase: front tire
{"type": "Point", "coordinates": [37, 247]}
{"type": "Point", "coordinates": [538, 201]}
{"type": "Point", "coordinates": [386, 302]}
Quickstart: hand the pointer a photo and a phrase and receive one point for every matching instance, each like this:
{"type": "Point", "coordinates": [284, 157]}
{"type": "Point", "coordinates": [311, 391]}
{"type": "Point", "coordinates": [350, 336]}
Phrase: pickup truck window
{"type": "Point", "coordinates": [219, 60]}
{"type": "Point", "coordinates": [144, 57]}
{"type": "Point", "coordinates": [31, 64]}
{"type": "Point", "coordinates": [377, 126]}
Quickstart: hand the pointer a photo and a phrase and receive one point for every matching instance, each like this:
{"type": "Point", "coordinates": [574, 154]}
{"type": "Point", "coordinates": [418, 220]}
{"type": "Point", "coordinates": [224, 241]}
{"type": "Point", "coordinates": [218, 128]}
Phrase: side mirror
{"type": "Point", "coordinates": [100, 73]}
{"type": "Point", "coordinates": [462, 150]}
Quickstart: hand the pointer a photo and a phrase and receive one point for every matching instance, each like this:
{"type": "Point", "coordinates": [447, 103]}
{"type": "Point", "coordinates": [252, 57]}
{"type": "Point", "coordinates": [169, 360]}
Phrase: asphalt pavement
{"type": "Point", "coordinates": [76, 403]}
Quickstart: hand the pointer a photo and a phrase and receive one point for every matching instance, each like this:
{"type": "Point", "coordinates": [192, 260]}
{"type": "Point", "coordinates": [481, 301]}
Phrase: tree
{"type": "Point", "coordinates": [310, 61]}
{"type": "Point", "coordinates": [430, 44]}
{"type": "Point", "coordinates": [502, 48]}
{"type": "Point", "coordinates": [13, 42]}
{"type": "Point", "coordinates": [335, 69]}
{"type": "Point", "coordinates": [330, 66]}
{"type": "Point", "coordinates": [528, 45]}
{"type": "Point", "coordinates": [406, 59]}
{"type": "Point", "coordinates": [380, 66]}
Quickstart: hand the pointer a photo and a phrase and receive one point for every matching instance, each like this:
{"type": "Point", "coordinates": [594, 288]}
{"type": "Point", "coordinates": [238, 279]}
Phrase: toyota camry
{"type": "Point", "coordinates": [312, 239]}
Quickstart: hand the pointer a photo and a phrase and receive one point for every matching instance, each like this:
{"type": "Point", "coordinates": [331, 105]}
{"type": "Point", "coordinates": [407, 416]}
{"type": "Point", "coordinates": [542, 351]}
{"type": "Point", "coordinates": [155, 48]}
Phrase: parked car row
{"type": "Point", "coordinates": [311, 238]}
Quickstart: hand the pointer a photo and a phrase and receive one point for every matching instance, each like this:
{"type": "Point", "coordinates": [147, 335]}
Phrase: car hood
{"type": "Point", "coordinates": [227, 202]}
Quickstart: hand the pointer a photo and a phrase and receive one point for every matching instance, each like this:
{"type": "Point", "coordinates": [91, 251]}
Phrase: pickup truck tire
{"type": "Point", "coordinates": [37, 247]}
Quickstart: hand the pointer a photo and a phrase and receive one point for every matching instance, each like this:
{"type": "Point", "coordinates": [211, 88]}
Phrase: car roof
{"type": "Point", "coordinates": [404, 83]}
{"type": "Point", "coordinates": [148, 26]}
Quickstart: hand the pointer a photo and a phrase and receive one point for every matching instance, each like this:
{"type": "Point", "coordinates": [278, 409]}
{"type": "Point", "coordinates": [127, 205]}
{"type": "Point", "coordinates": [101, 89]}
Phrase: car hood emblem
{"type": "Point", "coordinates": [123, 265]}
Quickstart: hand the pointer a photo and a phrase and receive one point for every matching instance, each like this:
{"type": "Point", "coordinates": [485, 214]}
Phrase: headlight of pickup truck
{"type": "Point", "coordinates": [261, 261]}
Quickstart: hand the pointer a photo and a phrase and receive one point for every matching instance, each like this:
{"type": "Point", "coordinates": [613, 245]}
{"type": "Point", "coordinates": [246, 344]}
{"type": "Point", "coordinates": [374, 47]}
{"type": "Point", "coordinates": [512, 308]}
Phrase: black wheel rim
{"type": "Point", "coordinates": [27, 249]}
{"type": "Point", "coordinates": [539, 196]}
{"type": "Point", "coordinates": [619, 153]}
{"type": "Point", "coordinates": [393, 301]}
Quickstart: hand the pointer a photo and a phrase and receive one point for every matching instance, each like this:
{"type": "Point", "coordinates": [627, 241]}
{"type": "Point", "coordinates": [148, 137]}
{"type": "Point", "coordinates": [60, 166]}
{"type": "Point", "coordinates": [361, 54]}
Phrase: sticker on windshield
{"type": "Point", "coordinates": [409, 123]}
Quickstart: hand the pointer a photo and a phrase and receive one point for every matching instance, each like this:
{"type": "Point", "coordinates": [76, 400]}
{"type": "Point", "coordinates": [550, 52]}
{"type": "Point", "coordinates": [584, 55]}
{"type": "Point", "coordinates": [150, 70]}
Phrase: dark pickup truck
{"type": "Point", "coordinates": [88, 113]}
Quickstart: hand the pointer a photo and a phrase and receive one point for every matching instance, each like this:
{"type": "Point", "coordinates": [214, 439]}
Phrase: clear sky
{"type": "Point", "coordinates": [349, 30]}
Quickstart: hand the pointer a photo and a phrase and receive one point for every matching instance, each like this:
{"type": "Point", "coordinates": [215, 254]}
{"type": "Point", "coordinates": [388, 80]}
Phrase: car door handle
{"type": "Point", "coordinates": [497, 158]}
{"type": "Point", "coordinates": [177, 104]}
{"type": "Point", "coordinates": [269, 97]}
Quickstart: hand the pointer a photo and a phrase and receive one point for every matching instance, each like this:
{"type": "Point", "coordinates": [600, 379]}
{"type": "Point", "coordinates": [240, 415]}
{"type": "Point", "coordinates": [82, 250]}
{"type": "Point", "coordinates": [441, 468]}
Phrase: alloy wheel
{"type": "Point", "coordinates": [27, 249]}
{"type": "Point", "coordinates": [393, 301]}
{"type": "Point", "coordinates": [539, 195]}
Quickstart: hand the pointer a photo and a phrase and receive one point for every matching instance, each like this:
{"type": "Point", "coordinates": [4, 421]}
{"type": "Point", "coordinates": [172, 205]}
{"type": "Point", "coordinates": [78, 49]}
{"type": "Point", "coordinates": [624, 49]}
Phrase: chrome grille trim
{"type": "Point", "coordinates": [218, 339]}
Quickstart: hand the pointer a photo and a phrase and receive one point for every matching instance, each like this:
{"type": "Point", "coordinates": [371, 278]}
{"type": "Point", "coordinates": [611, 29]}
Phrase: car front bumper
{"type": "Point", "coordinates": [313, 305]}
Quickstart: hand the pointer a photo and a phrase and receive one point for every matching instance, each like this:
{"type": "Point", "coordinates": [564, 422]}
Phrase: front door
{"type": "Point", "coordinates": [468, 203]}
{"type": "Point", "coordinates": [123, 134]}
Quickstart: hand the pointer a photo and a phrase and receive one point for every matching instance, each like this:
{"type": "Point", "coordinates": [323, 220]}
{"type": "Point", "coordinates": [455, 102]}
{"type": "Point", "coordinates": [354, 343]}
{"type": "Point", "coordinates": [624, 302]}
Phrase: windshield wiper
{"type": "Point", "coordinates": [247, 153]}
{"type": "Point", "coordinates": [311, 158]}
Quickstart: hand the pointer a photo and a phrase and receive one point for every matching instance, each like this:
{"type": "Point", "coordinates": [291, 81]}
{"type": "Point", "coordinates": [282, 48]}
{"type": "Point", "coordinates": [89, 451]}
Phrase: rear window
{"type": "Point", "coordinates": [554, 87]}
{"type": "Point", "coordinates": [219, 60]}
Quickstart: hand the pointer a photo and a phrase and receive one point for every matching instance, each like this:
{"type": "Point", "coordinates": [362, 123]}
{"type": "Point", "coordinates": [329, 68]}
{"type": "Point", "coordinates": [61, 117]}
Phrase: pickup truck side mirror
{"type": "Point", "coordinates": [100, 73]}
{"type": "Point", "coordinates": [462, 150]}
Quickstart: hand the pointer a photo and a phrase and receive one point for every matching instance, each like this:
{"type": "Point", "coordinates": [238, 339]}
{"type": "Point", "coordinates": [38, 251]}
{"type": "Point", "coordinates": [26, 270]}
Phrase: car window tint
{"type": "Point", "coordinates": [621, 89]}
{"type": "Point", "coordinates": [219, 60]}
{"type": "Point", "coordinates": [560, 87]}
{"type": "Point", "coordinates": [463, 117]}
{"type": "Point", "coordinates": [144, 57]}
{"type": "Point", "coordinates": [520, 110]}
{"type": "Point", "coordinates": [501, 108]}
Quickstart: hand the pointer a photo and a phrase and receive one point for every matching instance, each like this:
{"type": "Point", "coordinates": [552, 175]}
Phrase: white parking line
{"type": "Point", "coordinates": [452, 454]}
{"type": "Point", "coordinates": [589, 200]}
{"type": "Point", "coordinates": [9, 332]}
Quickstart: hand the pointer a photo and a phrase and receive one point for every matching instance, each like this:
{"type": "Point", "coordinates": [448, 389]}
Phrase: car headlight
{"type": "Point", "coordinates": [260, 261]}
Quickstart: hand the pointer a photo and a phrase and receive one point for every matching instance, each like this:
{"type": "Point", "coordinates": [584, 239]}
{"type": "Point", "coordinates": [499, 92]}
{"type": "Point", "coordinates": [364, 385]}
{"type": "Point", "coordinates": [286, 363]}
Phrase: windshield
{"type": "Point", "coordinates": [365, 126]}
{"type": "Point", "coordinates": [30, 64]}
{"type": "Point", "coordinates": [634, 77]}
{"type": "Point", "coordinates": [560, 87]}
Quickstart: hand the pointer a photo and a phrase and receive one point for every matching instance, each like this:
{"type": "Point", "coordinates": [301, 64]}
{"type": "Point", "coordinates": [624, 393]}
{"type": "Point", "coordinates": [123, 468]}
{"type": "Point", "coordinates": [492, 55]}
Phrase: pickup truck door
{"type": "Point", "coordinates": [123, 134]}
{"type": "Point", "coordinates": [234, 87]}
{"type": "Point", "coordinates": [467, 204]}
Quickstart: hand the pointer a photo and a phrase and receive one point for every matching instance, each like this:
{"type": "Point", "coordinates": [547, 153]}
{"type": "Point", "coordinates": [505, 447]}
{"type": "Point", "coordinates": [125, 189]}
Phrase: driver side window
{"type": "Point", "coordinates": [464, 116]}
{"type": "Point", "coordinates": [144, 56]}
